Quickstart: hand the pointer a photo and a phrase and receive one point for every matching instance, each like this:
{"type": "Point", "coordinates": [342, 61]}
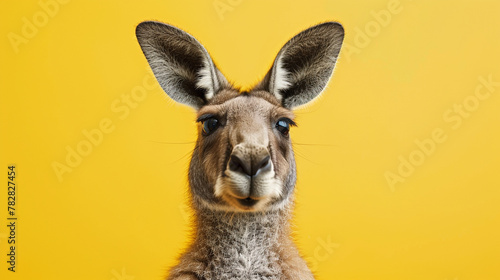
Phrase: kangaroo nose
{"type": "Point", "coordinates": [248, 166]}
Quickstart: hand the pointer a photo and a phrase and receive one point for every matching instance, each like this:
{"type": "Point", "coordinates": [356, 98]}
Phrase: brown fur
{"type": "Point", "coordinates": [242, 172]}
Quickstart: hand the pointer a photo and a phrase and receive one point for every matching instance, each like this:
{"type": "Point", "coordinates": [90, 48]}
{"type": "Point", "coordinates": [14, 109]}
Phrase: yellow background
{"type": "Point", "coordinates": [121, 212]}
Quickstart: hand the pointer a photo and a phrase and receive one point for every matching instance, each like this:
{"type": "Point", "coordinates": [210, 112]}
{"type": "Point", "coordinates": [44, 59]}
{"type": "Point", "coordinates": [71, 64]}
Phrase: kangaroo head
{"type": "Point", "coordinates": [243, 159]}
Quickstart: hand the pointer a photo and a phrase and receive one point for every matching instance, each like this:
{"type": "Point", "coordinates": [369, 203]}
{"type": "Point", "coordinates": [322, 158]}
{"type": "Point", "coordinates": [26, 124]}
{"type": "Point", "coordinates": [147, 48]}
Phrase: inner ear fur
{"type": "Point", "coordinates": [180, 63]}
{"type": "Point", "coordinates": [304, 65]}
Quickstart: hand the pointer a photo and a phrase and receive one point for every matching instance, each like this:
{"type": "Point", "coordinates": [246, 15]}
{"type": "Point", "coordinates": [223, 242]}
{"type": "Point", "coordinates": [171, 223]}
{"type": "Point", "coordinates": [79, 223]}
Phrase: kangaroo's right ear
{"type": "Point", "coordinates": [180, 63]}
{"type": "Point", "coordinates": [304, 65]}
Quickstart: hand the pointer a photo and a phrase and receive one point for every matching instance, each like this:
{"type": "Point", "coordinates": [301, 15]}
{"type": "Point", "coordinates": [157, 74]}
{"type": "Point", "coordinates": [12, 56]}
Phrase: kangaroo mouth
{"type": "Point", "coordinates": [247, 202]}
{"type": "Point", "coordinates": [244, 193]}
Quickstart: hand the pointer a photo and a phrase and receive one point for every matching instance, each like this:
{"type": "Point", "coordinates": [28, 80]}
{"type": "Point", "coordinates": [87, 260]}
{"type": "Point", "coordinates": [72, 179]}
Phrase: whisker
{"type": "Point", "coordinates": [173, 143]}
{"type": "Point", "coordinates": [181, 158]}
{"type": "Point", "coordinates": [301, 155]}
{"type": "Point", "coordinates": [312, 144]}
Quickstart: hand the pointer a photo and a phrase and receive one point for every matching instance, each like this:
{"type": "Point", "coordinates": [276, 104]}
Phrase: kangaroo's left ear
{"type": "Point", "coordinates": [304, 65]}
{"type": "Point", "coordinates": [180, 63]}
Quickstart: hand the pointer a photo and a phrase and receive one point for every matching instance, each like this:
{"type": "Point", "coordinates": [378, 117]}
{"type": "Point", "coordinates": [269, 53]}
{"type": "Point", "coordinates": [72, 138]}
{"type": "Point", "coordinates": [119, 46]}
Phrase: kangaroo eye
{"type": "Point", "coordinates": [283, 126]}
{"type": "Point", "coordinates": [210, 125]}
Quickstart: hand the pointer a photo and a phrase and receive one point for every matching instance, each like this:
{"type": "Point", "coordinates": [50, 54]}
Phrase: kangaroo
{"type": "Point", "coordinates": [242, 172]}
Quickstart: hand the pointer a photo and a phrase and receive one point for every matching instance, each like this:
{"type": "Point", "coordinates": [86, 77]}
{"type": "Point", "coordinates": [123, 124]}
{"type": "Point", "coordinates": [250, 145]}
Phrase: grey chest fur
{"type": "Point", "coordinates": [242, 247]}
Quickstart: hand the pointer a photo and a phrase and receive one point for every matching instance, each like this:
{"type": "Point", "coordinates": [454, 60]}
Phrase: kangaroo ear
{"type": "Point", "coordinates": [180, 63]}
{"type": "Point", "coordinates": [304, 65]}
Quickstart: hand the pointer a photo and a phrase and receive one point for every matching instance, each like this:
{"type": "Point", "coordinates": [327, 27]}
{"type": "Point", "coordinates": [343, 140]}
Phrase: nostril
{"type": "Point", "coordinates": [237, 165]}
{"type": "Point", "coordinates": [250, 168]}
{"type": "Point", "coordinates": [234, 163]}
{"type": "Point", "coordinates": [263, 163]}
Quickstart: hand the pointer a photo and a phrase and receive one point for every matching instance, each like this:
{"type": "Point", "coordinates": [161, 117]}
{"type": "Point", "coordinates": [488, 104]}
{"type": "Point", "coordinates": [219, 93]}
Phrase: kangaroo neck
{"type": "Point", "coordinates": [243, 244]}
